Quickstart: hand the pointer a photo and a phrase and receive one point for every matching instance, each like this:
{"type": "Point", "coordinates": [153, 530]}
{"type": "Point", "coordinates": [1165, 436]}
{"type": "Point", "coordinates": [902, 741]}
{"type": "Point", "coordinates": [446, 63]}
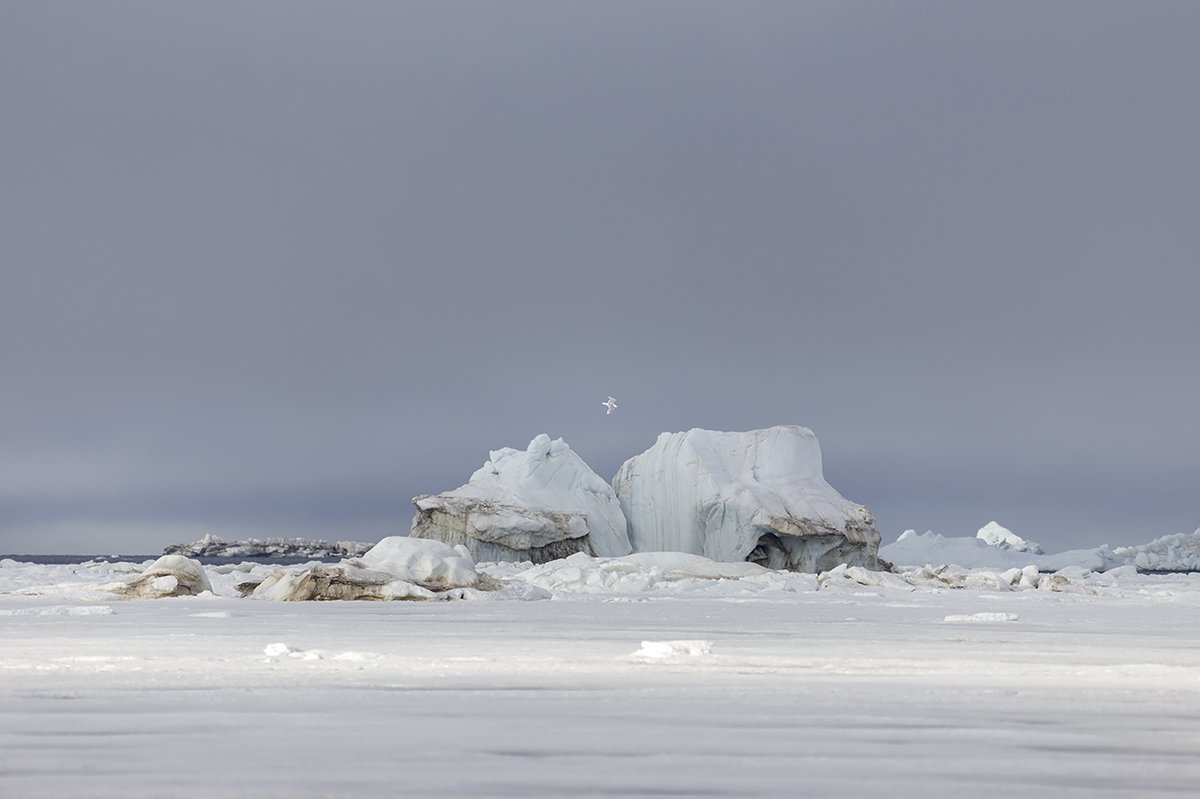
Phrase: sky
{"type": "Point", "coordinates": [275, 268]}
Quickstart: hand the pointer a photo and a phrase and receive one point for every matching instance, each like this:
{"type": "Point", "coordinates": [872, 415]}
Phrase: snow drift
{"type": "Point", "coordinates": [759, 496]}
{"type": "Point", "coordinates": [537, 505]}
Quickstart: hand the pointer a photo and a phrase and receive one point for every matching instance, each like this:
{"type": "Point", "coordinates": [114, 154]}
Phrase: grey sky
{"type": "Point", "coordinates": [274, 268]}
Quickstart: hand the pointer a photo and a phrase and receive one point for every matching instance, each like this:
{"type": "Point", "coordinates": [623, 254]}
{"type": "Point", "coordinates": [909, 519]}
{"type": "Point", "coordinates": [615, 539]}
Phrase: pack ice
{"type": "Point", "coordinates": [759, 496]}
{"type": "Point", "coordinates": [537, 505]}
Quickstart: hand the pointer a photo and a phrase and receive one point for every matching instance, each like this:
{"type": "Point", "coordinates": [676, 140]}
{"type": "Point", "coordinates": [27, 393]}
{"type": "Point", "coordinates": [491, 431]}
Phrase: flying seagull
{"type": "Point", "coordinates": [611, 404]}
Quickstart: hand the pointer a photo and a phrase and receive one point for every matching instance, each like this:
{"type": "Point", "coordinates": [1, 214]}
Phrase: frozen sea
{"type": "Point", "coordinates": [627, 682]}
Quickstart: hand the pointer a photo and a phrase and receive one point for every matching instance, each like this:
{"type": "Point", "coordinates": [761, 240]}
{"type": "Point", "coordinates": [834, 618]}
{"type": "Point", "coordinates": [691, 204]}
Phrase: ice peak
{"type": "Point", "coordinates": [996, 535]}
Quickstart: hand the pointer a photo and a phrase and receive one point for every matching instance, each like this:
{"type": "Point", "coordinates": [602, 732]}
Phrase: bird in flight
{"type": "Point", "coordinates": [611, 404]}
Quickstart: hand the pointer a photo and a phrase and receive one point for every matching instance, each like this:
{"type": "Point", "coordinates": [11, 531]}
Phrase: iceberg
{"type": "Point", "coordinates": [536, 505]}
{"type": "Point", "coordinates": [995, 534]}
{"type": "Point", "coordinates": [758, 496]}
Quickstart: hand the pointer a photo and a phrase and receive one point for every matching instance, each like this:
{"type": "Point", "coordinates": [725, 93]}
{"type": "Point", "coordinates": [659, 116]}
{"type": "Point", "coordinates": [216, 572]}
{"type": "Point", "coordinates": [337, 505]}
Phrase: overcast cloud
{"type": "Point", "coordinates": [275, 268]}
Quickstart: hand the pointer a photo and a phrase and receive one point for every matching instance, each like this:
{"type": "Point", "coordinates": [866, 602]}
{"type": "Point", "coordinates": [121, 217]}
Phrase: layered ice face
{"type": "Point", "coordinates": [536, 504]}
{"type": "Point", "coordinates": [758, 495]}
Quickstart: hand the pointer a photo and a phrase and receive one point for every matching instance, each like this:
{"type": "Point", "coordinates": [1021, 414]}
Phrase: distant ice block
{"type": "Point", "coordinates": [213, 547]}
{"type": "Point", "coordinates": [996, 535]}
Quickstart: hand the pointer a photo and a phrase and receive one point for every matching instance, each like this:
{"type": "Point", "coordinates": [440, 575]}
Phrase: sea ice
{"type": "Point", "coordinates": [848, 690]}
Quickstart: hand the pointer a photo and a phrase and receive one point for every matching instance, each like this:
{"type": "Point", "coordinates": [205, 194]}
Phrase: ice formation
{"type": "Point", "coordinates": [758, 496]}
{"type": "Point", "coordinates": [170, 575]}
{"type": "Point", "coordinates": [396, 568]}
{"type": "Point", "coordinates": [1170, 553]}
{"type": "Point", "coordinates": [212, 547]}
{"type": "Point", "coordinates": [913, 550]}
{"type": "Point", "coordinates": [996, 535]}
{"type": "Point", "coordinates": [538, 504]}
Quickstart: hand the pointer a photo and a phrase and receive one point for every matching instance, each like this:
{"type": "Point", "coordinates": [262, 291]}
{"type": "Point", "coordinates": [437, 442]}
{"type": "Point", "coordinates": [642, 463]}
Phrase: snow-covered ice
{"type": "Point", "coordinates": [398, 567]}
{"type": "Point", "coordinates": [647, 675]}
{"type": "Point", "coordinates": [170, 575]}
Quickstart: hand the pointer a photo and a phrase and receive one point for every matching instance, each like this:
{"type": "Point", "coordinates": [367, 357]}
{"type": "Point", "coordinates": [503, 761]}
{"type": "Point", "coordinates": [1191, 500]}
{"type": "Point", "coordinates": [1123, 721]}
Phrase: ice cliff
{"type": "Point", "coordinates": [759, 496]}
{"type": "Point", "coordinates": [538, 504]}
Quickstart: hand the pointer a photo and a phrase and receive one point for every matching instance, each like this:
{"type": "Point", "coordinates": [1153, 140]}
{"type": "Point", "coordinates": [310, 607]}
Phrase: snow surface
{"type": "Point", "coordinates": [729, 496]}
{"type": "Point", "coordinates": [523, 502]}
{"type": "Point", "coordinates": [657, 674]}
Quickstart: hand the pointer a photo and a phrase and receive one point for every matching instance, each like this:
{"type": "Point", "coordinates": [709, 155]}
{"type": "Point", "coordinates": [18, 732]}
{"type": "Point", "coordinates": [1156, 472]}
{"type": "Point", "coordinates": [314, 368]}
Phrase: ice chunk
{"type": "Point", "coordinates": [170, 575]}
{"type": "Point", "coordinates": [430, 564]}
{"type": "Point", "coordinates": [670, 649]}
{"type": "Point", "coordinates": [397, 567]}
{"type": "Point", "coordinates": [983, 617]}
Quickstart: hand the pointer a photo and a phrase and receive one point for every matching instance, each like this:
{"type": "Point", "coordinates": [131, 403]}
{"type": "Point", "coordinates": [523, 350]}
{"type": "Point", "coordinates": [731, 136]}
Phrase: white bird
{"type": "Point", "coordinates": [611, 404]}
